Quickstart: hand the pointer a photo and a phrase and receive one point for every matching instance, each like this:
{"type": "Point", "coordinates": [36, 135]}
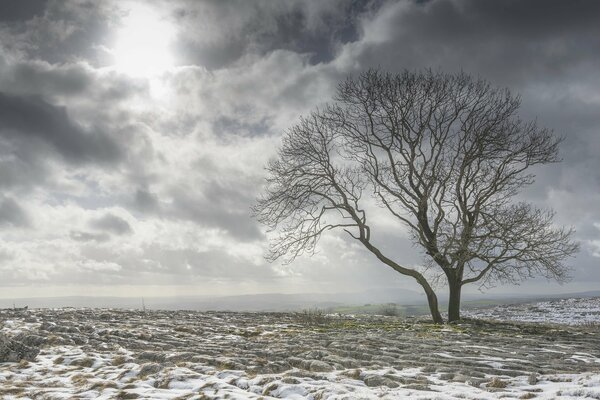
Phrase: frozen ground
{"type": "Point", "coordinates": [585, 311]}
{"type": "Point", "coordinates": [113, 354]}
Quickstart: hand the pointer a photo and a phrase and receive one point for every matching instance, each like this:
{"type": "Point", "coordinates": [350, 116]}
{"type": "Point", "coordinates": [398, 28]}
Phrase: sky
{"type": "Point", "coordinates": [134, 134]}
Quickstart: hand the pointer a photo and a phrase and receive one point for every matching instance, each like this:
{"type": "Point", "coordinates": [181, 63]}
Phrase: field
{"type": "Point", "coordinates": [404, 310]}
{"type": "Point", "coordinates": [127, 354]}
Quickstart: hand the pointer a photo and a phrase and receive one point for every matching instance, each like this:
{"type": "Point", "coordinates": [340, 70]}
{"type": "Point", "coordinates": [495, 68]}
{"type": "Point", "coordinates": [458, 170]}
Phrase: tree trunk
{"type": "Point", "coordinates": [431, 296]}
{"type": "Point", "coordinates": [454, 300]}
{"type": "Point", "coordinates": [433, 306]}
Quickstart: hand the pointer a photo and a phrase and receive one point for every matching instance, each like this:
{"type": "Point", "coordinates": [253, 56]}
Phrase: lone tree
{"type": "Point", "coordinates": [444, 154]}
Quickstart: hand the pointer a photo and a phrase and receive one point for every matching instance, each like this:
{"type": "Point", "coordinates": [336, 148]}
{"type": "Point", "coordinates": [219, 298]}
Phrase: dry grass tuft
{"type": "Point", "coordinates": [312, 317]}
{"type": "Point", "coordinates": [81, 379]}
{"type": "Point", "coordinates": [119, 360]}
{"type": "Point", "coordinates": [497, 383]}
{"type": "Point", "coordinates": [528, 395]}
{"type": "Point", "coordinates": [126, 395]}
{"type": "Point", "coordinates": [100, 386]}
{"type": "Point", "coordinates": [84, 362]}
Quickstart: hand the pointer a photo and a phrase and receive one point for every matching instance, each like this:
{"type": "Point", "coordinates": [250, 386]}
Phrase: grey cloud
{"type": "Point", "coordinates": [226, 126]}
{"type": "Point", "coordinates": [263, 56]}
{"type": "Point", "coordinates": [62, 31]}
{"type": "Point", "coordinates": [20, 169]}
{"type": "Point", "coordinates": [149, 265]}
{"type": "Point", "coordinates": [222, 203]}
{"type": "Point", "coordinates": [73, 80]}
{"type": "Point", "coordinates": [586, 267]}
{"type": "Point", "coordinates": [22, 10]}
{"type": "Point", "coordinates": [145, 201]}
{"type": "Point", "coordinates": [539, 18]}
{"type": "Point", "coordinates": [112, 223]}
{"type": "Point", "coordinates": [218, 206]}
{"type": "Point", "coordinates": [6, 256]}
{"type": "Point", "coordinates": [24, 119]}
{"type": "Point", "coordinates": [507, 41]}
{"type": "Point", "coordinates": [546, 50]}
{"type": "Point", "coordinates": [203, 264]}
{"type": "Point", "coordinates": [36, 132]}
{"type": "Point", "coordinates": [80, 236]}
{"type": "Point", "coordinates": [315, 28]}
{"type": "Point", "coordinates": [12, 214]}
{"type": "Point", "coordinates": [35, 77]}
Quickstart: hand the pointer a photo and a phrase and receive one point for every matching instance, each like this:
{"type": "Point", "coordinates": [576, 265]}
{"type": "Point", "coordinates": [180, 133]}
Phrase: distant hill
{"type": "Point", "coordinates": [271, 301]}
{"type": "Point", "coordinates": [250, 302]}
{"type": "Point", "coordinates": [289, 302]}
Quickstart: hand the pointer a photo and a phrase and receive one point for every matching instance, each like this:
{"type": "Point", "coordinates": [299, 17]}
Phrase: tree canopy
{"type": "Point", "coordinates": [444, 154]}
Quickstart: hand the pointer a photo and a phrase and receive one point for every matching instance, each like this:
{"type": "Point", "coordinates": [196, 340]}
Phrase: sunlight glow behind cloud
{"type": "Point", "coordinates": [142, 47]}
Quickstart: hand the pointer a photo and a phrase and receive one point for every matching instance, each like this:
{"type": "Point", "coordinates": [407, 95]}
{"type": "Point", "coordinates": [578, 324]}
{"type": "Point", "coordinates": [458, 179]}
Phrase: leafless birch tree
{"type": "Point", "coordinates": [444, 154]}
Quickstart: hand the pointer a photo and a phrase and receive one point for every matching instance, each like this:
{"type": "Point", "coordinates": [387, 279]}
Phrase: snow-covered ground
{"type": "Point", "coordinates": [94, 376]}
{"type": "Point", "coordinates": [583, 311]}
{"type": "Point", "coordinates": [116, 354]}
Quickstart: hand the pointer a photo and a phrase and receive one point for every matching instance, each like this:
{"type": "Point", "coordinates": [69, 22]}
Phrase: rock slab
{"type": "Point", "coordinates": [15, 350]}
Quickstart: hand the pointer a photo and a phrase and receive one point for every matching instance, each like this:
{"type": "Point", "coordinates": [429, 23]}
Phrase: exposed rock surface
{"type": "Point", "coordinates": [21, 347]}
{"type": "Point", "coordinates": [275, 353]}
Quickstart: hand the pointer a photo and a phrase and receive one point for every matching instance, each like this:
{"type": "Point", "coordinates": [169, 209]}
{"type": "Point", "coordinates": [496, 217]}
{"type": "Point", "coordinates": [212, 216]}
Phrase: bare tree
{"type": "Point", "coordinates": [444, 154]}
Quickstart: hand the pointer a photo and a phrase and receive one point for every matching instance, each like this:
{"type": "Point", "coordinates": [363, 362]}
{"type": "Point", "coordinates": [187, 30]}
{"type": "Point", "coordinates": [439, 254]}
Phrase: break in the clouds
{"type": "Point", "coordinates": [133, 134]}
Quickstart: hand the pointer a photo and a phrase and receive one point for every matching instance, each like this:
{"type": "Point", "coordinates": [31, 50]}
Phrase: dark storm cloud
{"type": "Point", "coordinates": [32, 119]}
{"type": "Point", "coordinates": [508, 41]}
{"type": "Point", "coordinates": [22, 10]}
{"type": "Point", "coordinates": [70, 81]}
{"type": "Point", "coordinates": [12, 214]}
{"type": "Point", "coordinates": [315, 28]}
{"type": "Point", "coordinates": [34, 77]}
{"type": "Point", "coordinates": [547, 51]}
{"type": "Point", "coordinates": [112, 223]}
